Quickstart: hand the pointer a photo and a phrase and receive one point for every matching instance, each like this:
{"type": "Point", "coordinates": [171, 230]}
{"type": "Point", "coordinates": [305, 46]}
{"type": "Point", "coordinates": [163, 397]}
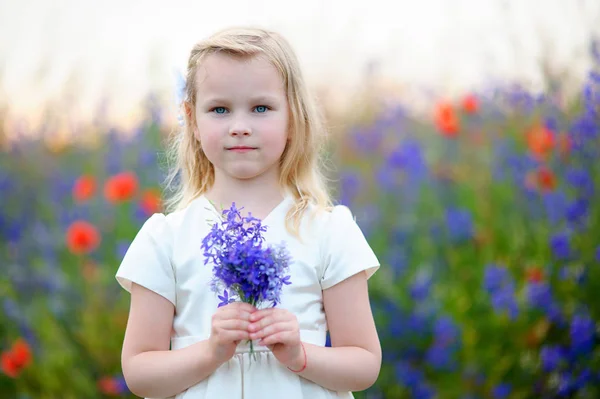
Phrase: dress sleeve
{"type": "Point", "coordinates": [346, 252]}
{"type": "Point", "coordinates": [148, 259]}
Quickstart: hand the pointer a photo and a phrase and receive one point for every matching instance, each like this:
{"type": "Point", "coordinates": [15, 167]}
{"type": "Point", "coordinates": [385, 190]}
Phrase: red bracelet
{"type": "Point", "coordinates": [303, 367]}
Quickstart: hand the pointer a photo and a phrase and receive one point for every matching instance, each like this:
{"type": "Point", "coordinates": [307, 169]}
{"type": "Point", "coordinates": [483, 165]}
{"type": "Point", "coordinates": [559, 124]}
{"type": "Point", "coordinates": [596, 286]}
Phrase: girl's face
{"type": "Point", "coordinates": [242, 116]}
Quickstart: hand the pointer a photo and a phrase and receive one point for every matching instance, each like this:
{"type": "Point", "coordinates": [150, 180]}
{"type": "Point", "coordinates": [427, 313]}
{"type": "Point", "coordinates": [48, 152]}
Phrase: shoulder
{"type": "Point", "coordinates": [168, 225]}
{"type": "Point", "coordinates": [333, 216]}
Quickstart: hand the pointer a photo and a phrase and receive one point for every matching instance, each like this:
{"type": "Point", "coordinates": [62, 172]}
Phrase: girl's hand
{"type": "Point", "coordinates": [280, 332]}
{"type": "Point", "coordinates": [229, 326]}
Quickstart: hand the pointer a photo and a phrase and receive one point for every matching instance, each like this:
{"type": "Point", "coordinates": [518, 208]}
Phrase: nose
{"type": "Point", "coordinates": [240, 128]}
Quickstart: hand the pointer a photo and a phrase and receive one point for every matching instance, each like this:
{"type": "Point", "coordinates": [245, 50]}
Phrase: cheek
{"type": "Point", "coordinates": [276, 132]}
{"type": "Point", "coordinates": [209, 136]}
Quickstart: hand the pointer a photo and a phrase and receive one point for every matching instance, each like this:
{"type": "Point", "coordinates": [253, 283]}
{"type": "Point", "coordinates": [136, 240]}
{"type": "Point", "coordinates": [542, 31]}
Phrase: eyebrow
{"type": "Point", "coordinates": [257, 99]}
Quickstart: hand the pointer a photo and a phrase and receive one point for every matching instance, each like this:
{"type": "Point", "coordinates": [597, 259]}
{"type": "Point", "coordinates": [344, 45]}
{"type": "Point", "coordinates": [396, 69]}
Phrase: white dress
{"type": "Point", "coordinates": [166, 257]}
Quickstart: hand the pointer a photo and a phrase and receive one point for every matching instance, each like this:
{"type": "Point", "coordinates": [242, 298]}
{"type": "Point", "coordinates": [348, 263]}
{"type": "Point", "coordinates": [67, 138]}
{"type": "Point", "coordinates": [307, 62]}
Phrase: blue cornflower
{"type": "Point", "coordinates": [577, 211]}
{"type": "Point", "coordinates": [504, 301]}
{"type": "Point", "coordinates": [501, 391]}
{"type": "Point", "coordinates": [561, 246]}
{"type": "Point", "coordinates": [419, 289]}
{"type": "Point", "coordinates": [551, 357]}
{"type": "Point", "coordinates": [350, 186]}
{"type": "Point", "coordinates": [500, 286]}
{"type": "Point", "coordinates": [494, 277]}
{"type": "Point", "coordinates": [446, 331]}
{"type": "Point", "coordinates": [565, 384]}
{"type": "Point", "coordinates": [423, 391]}
{"type": "Point", "coordinates": [408, 375]}
{"type": "Point", "coordinates": [581, 180]}
{"type": "Point", "coordinates": [540, 297]}
{"type": "Point", "coordinates": [122, 247]}
{"type": "Point", "coordinates": [582, 332]}
{"type": "Point", "coordinates": [555, 203]}
{"type": "Point", "coordinates": [440, 357]}
{"type": "Point", "coordinates": [408, 156]}
{"type": "Point", "coordinates": [460, 224]}
{"type": "Point", "coordinates": [598, 254]}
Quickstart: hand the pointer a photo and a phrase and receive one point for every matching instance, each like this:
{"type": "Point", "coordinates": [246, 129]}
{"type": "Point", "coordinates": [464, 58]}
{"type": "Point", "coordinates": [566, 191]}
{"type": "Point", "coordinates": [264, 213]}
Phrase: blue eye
{"type": "Point", "coordinates": [261, 109]}
{"type": "Point", "coordinates": [219, 110]}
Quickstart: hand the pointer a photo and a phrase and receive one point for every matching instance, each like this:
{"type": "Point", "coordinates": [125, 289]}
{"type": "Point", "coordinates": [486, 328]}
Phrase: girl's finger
{"type": "Point", "coordinates": [233, 313]}
{"type": "Point", "coordinates": [232, 335]}
{"type": "Point", "coordinates": [271, 318]}
{"type": "Point", "coordinates": [283, 337]}
{"type": "Point", "coordinates": [262, 323]}
{"type": "Point", "coordinates": [232, 324]}
{"type": "Point", "coordinates": [272, 329]}
{"type": "Point", "coordinates": [259, 314]}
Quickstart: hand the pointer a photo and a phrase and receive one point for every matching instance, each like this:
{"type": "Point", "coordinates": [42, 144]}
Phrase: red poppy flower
{"type": "Point", "coordinates": [470, 104]}
{"type": "Point", "coordinates": [151, 202]}
{"type": "Point", "coordinates": [84, 188]}
{"type": "Point", "coordinates": [540, 141]}
{"type": "Point", "coordinates": [121, 187]}
{"type": "Point", "coordinates": [108, 386]}
{"type": "Point", "coordinates": [82, 237]}
{"type": "Point", "coordinates": [16, 359]}
{"type": "Point", "coordinates": [546, 179]}
{"type": "Point", "coordinates": [446, 119]}
{"type": "Point", "coordinates": [534, 274]}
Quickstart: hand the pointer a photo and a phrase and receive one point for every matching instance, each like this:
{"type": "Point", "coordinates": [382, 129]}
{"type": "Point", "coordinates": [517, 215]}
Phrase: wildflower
{"type": "Point", "coordinates": [546, 179]}
{"type": "Point", "coordinates": [580, 180]}
{"type": "Point", "coordinates": [150, 202]}
{"type": "Point", "coordinates": [582, 331]}
{"type": "Point", "coordinates": [540, 141]}
{"type": "Point", "coordinates": [470, 104]}
{"type": "Point", "coordinates": [540, 297]}
{"type": "Point", "coordinates": [551, 357]}
{"type": "Point", "coordinates": [441, 354]}
{"type": "Point", "coordinates": [84, 188]}
{"type": "Point", "coordinates": [561, 246]}
{"type": "Point", "coordinates": [421, 285]}
{"type": "Point", "coordinates": [446, 120]}
{"type": "Point", "coordinates": [408, 375]}
{"type": "Point", "coordinates": [121, 187]}
{"type": "Point", "coordinates": [460, 224]}
{"type": "Point", "coordinates": [16, 358]}
{"type": "Point", "coordinates": [112, 386]}
{"type": "Point", "coordinates": [82, 237]}
{"type": "Point", "coordinates": [577, 211]}
{"type": "Point", "coordinates": [500, 286]}
{"type": "Point", "coordinates": [243, 269]}
{"type": "Point", "coordinates": [501, 391]}
{"type": "Point", "coordinates": [534, 274]}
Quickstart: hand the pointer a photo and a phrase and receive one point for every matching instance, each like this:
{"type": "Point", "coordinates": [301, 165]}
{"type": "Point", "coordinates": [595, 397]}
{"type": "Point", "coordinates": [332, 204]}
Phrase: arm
{"type": "Point", "coordinates": [353, 363]}
{"type": "Point", "coordinates": [149, 367]}
{"type": "Point", "coordinates": [354, 360]}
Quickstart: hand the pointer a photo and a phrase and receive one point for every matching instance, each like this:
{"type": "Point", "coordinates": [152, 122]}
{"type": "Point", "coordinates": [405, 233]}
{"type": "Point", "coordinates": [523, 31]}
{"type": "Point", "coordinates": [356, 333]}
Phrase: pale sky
{"type": "Point", "coordinates": [127, 47]}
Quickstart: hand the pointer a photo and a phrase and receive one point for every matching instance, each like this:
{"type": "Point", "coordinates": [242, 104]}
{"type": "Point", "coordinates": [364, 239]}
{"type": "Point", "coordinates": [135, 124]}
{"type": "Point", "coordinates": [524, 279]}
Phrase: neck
{"type": "Point", "coordinates": [258, 195]}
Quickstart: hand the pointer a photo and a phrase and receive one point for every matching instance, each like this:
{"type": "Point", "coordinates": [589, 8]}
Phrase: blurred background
{"type": "Point", "coordinates": [464, 138]}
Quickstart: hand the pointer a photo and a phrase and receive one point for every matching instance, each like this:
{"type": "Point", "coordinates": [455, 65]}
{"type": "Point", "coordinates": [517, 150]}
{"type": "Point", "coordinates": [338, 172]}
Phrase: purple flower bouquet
{"type": "Point", "coordinates": [244, 269]}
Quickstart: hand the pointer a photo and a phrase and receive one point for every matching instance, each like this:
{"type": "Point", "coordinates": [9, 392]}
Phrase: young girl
{"type": "Point", "coordinates": [252, 136]}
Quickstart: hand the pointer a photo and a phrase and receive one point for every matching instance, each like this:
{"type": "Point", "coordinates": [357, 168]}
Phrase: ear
{"type": "Point", "coordinates": [190, 115]}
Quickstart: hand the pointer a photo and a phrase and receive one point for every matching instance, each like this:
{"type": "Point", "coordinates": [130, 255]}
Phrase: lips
{"type": "Point", "coordinates": [241, 147]}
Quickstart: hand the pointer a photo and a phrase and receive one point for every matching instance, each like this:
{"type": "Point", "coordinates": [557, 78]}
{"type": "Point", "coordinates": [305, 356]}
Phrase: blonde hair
{"type": "Point", "coordinates": [301, 162]}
